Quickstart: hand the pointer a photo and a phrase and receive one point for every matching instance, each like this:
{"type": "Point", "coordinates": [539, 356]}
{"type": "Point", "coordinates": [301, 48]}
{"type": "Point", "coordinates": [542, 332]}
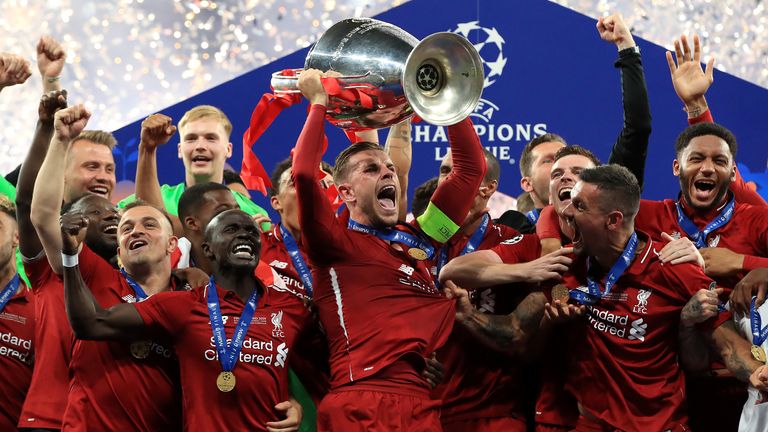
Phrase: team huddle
{"type": "Point", "coordinates": [184, 307]}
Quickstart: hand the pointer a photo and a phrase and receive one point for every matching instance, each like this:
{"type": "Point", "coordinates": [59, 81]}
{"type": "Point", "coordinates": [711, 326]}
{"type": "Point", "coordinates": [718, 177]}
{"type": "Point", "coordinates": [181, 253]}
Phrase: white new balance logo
{"type": "Point", "coordinates": [278, 264]}
{"type": "Point", "coordinates": [638, 330]}
{"type": "Point", "coordinates": [406, 269]}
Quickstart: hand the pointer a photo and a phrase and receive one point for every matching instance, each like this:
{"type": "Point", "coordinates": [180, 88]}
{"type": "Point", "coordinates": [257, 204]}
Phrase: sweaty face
{"type": "Point", "coordinates": [585, 219]}
{"type": "Point", "coordinates": [706, 169]}
{"type": "Point", "coordinates": [145, 237]}
{"type": "Point", "coordinates": [373, 186]}
{"type": "Point", "coordinates": [90, 169]}
{"type": "Point", "coordinates": [232, 240]}
{"type": "Point", "coordinates": [543, 158]}
{"type": "Point", "coordinates": [204, 148]}
{"type": "Point", "coordinates": [9, 239]}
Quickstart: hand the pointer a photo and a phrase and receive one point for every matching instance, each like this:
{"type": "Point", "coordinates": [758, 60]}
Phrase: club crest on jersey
{"type": "Point", "coordinates": [714, 241]}
{"type": "Point", "coordinates": [514, 240]}
{"type": "Point", "coordinates": [642, 301]}
{"type": "Point", "coordinates": [277, 321]}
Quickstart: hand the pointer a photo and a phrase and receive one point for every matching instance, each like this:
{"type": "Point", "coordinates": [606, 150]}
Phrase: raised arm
{"type": "Point", "coordinates": [398, 147]}
{"type": "Point", "coordinates": [14, 70]}
{"type": "Point", "coordinates": [88, 319]}
{"type": "Point", "coordinates": [156, 130]}
{"type": "Point", "coordinates": [631, 147]}
{"type": "Point", "coordinates": [29, 244]}
{"type": "Point", "coordinates": [316, 217]}
{"type": "Point", "coordinates": [452, 200]}
{"type": "Point", "coordinates": [50, 62]}
{"type": "Point", "coordinates": [49, 190]}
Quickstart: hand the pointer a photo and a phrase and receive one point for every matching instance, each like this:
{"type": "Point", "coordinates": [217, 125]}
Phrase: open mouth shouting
{"type": "Point", "coordinates": [387, 197]}
{"type": "Point", "coordinates": [110, 229]}
{"type": "Point", "coordinates": [244, 250]}
{"type": "Point", "coordinates": [137, 245]}
{"type": "Point", "coordinates": [703, 190]}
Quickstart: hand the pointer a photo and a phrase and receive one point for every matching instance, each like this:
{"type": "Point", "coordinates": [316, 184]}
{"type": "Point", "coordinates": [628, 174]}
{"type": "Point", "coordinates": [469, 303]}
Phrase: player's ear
{"type": "Point", "coordinates": [615, 219]}
{"type": "Point", "coordinates": [346, 193]}
{"type": "Point", "coordinates": [733, 172]}
{"type": "Point", "coordinates": [676, 168]}
{"type": "Point", "coordinates": [192, 223]}
{"type": "Point", "coordinates": [525, 184]}
{"type": "Point", "coordinates": [275, 203]}
{"type": "Point", "coordinates": [173, 243]}
{"type": "Point", "coordinates": [208, 252]}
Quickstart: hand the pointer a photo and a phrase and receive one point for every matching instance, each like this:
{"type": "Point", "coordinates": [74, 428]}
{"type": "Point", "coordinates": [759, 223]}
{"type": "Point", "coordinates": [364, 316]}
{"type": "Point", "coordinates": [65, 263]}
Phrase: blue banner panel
{"type": "Point", "coordinates": [546, 71]}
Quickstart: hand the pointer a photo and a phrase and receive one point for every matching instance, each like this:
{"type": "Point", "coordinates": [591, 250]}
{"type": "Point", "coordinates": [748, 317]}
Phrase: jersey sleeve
{"type": "Point", "coordinates": [325, 239]}
{"type": "Point", "coordinates": [518, 249]}
{"type": "Point", "coordinates": [452, 200]}
{"type": "Point", "coordinates": [38, 271]}
{"type": "Point", "coordinates": [548, 225]}
{"type": "Point", "coordinates": [165, 312]}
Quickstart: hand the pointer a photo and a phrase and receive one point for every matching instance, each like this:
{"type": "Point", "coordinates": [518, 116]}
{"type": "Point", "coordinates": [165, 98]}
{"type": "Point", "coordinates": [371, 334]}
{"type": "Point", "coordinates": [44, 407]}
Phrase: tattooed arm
{"type": "Point", "coordinates": [735, 351]}
{"type": "Point", "coordinates": [694, 348]}
{"type": "Point", "coordinates": [511, 334]}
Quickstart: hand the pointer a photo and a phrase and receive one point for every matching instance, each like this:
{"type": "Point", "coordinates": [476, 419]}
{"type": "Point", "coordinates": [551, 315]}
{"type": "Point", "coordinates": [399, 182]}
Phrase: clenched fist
{"type": "Point", "coordinates": [14, 70]}
{"type": "Point", "coordinates": [156, 130]}
{"type": "Point", "coordinates": [68, 123]}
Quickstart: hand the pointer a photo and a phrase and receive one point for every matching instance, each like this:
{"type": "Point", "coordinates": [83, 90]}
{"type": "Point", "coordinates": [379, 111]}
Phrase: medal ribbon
{"type": "Point", "coordinates": [9, 290]}
{"type": "Point", "coordinates": [699, 238]}
{"type": "Point", "coordinates": [617, 270]}
{"type": "Point", "coordinates": [229, 351]}
{"type": "Point", "coordinates": [298, 261]}
{"type": "Point", "coordinates": [533, 216]}
{"type": "Point", "coordinates": [759, 333]}
{"type": "Point", "coordinates": [137, 289]}
{"type": "Point", "coordinates": [472, 244]}
{"type": "Point", "coordinates": [395, 236]}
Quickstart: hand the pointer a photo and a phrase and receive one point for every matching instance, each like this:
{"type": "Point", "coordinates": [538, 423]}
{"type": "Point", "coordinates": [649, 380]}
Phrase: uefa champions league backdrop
{"type": "Point", "coordinates": [546, 70]}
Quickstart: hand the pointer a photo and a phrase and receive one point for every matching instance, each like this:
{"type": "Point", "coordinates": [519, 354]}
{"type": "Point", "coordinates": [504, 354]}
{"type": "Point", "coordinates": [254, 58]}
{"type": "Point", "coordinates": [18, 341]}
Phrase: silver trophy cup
{"type": "Point", "coordinates": [440, 79]}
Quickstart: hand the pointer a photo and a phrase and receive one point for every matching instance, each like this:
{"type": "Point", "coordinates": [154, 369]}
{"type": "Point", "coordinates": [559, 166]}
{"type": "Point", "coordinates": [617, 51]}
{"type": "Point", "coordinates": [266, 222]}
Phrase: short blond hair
{"type": "Point", "coordinates": [97, 137]}
{"type": "Point", "coordinates": [206, 111]}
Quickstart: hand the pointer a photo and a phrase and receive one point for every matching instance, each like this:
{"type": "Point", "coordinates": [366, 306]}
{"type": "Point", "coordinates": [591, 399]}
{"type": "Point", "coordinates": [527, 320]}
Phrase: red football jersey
{"type": "Point", "coordinates": [47, 396]}
{"type": "Point", "coordinates": [623, 356]}
{"type": "Point", "coordinates": [310, 352]}
{"type": "Point", "coordinates": [109, 388]}
{"type": "Point", "coordinates": [379, 307]}
{"type": "Point", "coordinates": [746, 233]}
{"type": "Point", "coordinates": [17, 332]}
{"type": "Point", "coordinates": [480, 382]}
{"type": "Point", "coordinates": [261, 370]}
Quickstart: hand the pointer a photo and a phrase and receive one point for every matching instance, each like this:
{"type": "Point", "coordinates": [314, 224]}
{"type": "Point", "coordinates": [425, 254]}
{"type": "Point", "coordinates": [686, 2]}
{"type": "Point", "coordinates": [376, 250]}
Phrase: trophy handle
{"type": "Point", "coordinates": [289, 84]}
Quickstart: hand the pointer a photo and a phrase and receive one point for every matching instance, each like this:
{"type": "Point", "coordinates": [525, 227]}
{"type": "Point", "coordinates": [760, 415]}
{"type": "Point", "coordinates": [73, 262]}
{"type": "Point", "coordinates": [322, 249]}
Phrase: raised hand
{"type": "Point", "coordinates": [69, 122]}
{"type": "Point", "coordinates": [50, 103]}
{"type": "Point", "coordinates": [680, 251]}
{"type": "Point", "coordinates": [73, 228]}
{"type": "Point", "coordinates": [156, 130]}
{"type": "Point", "coordinates": [549, 267]}
{"type": "Point", "coordinates": [701, 307]}
{"type": "Point", "coordinates": [613, 29]}
{"type": "Point", "coordinates": [312, 88]}
{"type": "Point", "coordinates": [691, 82]}
{"type": "Point", "coordinates": [14, 70]}
{"type": "Point", "coordinates": [50, 58]}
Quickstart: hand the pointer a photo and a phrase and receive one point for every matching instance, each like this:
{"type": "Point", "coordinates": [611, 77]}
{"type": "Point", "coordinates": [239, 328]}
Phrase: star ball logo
{"type": "Point", "coordinates": [496, 136]}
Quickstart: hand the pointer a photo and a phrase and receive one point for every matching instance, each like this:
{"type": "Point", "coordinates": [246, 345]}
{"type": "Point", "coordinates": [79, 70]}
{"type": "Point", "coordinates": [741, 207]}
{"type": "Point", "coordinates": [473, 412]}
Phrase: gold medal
{"type": "Point", "coordinates": [758, 353]}
{"type": "Point", "coordinates": [417, 254]}
{"type": "Point", "coordinates": [226, 381]}
{"type": "Point", "coordinates": [560, 292]}
{"type": "Point", "coordinates": [140, 349]}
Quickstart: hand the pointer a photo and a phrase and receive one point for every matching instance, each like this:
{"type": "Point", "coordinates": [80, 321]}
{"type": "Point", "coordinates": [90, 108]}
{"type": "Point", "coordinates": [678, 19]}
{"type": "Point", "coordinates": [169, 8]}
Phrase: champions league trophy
{"type": "Point", "coordinates": [387, 75]}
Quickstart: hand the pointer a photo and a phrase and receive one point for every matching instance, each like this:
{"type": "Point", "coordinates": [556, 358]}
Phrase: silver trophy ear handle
{"type": "Point", "coordinates": [289, 84]}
